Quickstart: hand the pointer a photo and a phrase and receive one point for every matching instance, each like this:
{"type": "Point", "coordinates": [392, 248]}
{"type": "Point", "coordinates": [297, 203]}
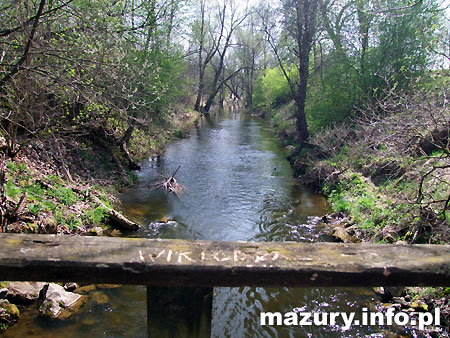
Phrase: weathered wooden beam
{"type": "Point", "coordinates": [207, 263]}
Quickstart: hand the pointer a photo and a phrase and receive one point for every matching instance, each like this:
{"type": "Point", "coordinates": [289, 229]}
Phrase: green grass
{"type": "Point", "coordinates": [95, 216]}
{"type": "Point", "coordinates": [369, 209]}
{"type": "Point", "coordinates": [62, 194]}
{"type": "Point", "coordinates": [12, 190]}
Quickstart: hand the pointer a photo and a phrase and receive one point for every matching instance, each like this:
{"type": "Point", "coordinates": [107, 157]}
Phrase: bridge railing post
{"type": "Point", "coordinates": [174, 312]}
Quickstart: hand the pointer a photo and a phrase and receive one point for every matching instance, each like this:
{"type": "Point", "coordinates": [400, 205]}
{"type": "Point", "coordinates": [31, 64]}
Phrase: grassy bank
{"type": "Point", "coordinates": [388, 170]}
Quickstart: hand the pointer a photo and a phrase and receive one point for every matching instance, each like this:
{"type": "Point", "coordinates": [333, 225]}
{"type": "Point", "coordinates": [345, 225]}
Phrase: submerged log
{"type": "Point", "coordinates": [209, 263]}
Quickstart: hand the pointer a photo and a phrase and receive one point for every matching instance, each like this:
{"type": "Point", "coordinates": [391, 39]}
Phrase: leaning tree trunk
{"type": "Point", "coordinates": [209, 103]}
{"type": "Point", "coordinates": [122, 143]}
{"type": "Point", "coordinates": [301, 126]}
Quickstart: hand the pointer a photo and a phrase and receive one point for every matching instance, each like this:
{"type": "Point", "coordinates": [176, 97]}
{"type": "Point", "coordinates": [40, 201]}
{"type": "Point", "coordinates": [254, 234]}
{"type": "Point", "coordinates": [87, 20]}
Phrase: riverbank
{"type": "Point", "coordinates": [69, 185]}
{"type": "Point", "coordinates": [386, 173]}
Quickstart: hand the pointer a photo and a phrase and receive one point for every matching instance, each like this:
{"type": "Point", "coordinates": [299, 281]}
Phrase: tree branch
{"type": "Point", "coordinates": [6, 32]}
{"type": "Point", "coordinates": [16, 67]}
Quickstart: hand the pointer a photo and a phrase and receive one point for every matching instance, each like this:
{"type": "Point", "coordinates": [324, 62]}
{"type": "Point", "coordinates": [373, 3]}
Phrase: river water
{"type": "Point", "coordinates": [239, 187]}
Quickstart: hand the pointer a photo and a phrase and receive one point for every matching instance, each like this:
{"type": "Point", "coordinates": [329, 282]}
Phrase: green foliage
{"type": "Point", "coordinates": [271, 88]}
{"type": "Point", "coordinates": [368, 209]}
{"type": "Point", "coordinates": [101, 71]}
{"type": "Point", "coordinates": [332, 94]}
{"type": "Point", "coordinates": [12, 190]}
{"type": "Point", "coordinates": [70, 221]}
{"type": "Point", "coordinates": [54, 179]}
{"type": "Point", "coordinates": [35, 191]}
{"type": "Point", "coordinates": [62, 194]}
{"type": "Point", "coordinates": [95, 216]}
{"type": "Point", "coordinates": [35, 209]}
{"type": "Point", "coordinates": [48, 206]}
{"type": "Point", "coordinates": [11, 166]}
{"type": "Point", "coordinates": [398, 48]}
{"type": "Point", "coordinates": [403, 50]}
{"type": "Point", "coordinates": [133, 178]}
{"type": "Point", "coordinates": [105, 201]}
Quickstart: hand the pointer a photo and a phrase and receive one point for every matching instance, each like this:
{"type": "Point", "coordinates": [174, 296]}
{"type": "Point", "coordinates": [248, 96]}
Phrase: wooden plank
{"type": "Point", "coordinates": [208, 263]}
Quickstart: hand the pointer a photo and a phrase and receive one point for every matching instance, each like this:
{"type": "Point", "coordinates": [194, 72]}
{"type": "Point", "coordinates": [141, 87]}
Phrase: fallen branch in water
{"type": "Point", "coordinates": [170, 184]}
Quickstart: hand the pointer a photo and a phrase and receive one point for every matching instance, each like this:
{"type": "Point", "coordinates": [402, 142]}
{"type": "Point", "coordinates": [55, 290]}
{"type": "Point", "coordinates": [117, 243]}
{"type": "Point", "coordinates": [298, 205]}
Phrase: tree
{"type": "Point", "coordinates": [227, 30]}
{"type": "Point", "coordinates": [361, 48]}
{"type": "Point", "coordinates": [292, 48]}
{"type": "Point", "coordinates": [84, 68]}
{"type": "Point", "coordinates": [380, 44]}
{"type": "Point", "coordinates": [250, 47]}
{"type": "Point", "coordinates": [213, 38]}
{"type": "Point", "coordinates": [206, 49]}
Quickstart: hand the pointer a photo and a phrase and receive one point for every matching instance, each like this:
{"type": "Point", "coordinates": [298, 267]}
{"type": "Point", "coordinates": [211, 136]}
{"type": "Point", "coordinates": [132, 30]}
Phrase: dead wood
{"type": "Point", "coordinates": [19, 208]}
{"type": "Point", "coordinates": [170, 184]}
{"type": "Point", "coordinates": [115, 217]}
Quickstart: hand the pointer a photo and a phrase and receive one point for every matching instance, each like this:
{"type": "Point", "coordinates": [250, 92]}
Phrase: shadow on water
{"type": "Point", "coordinates": [239, 187]}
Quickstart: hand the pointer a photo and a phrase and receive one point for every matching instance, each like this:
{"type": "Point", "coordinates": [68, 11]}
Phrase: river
{"type": "Point", "coordinates": [239, 187]}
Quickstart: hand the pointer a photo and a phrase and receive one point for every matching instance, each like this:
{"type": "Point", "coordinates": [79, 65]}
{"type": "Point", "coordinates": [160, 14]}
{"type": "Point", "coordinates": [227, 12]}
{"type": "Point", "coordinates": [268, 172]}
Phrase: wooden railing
{"type": "Point", "coordinates": [164, 264]}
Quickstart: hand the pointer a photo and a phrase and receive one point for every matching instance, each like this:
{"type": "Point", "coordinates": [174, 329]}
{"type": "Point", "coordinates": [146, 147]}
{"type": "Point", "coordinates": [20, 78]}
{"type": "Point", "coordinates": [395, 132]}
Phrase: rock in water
{"type": "Point", "coordinates": [3, 293]}
{"type": "Point", "coordinates": [379, 290]}
{"type": "Point", "coordinates": [99, 298]}
{"type": "Point", "coordinates": [10, 311]}
{"type": "Point", "coordinates": [56, 300]}
{"type": "Point", "coordinates": [343, 235]}
{"type": "Point", "coordinates": [24, 293]}
{"type": "Point", "coordinates": [394, 291]}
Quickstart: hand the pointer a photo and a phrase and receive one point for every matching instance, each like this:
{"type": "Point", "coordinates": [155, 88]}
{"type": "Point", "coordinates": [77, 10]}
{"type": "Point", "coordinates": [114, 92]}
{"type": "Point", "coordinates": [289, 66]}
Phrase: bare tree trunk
{"type": "Point", "coordinates": [300, 15]}
{"type": "Point", "coordinates": [201, 69]}
{"type": "Point", "coordinates": [201, 85]}
{"type": "Point", "coordinates": [222, 91]}
{"type": "Point", "coordinates": [306, 25]}
{"type": "Point", "coordinates": [364, 25]}
{"type": "Point", "coordinates": [215, 87]}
